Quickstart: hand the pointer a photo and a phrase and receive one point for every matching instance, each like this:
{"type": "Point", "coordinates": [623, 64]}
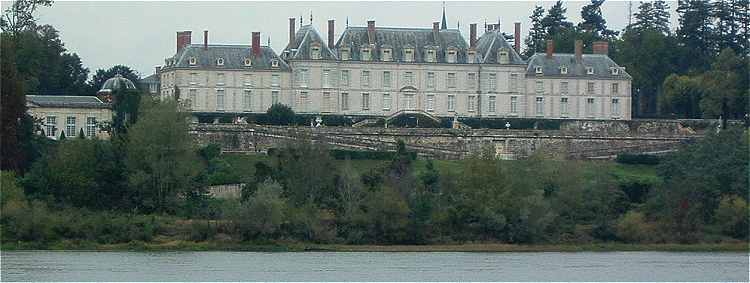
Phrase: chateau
{"type": "Point", "coordinates": [374, 71]}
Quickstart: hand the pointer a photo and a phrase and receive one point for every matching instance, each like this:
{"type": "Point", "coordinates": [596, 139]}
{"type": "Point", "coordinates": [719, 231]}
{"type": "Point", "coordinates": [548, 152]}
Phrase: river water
{"type": "Point", "coordinates": [371, 266]}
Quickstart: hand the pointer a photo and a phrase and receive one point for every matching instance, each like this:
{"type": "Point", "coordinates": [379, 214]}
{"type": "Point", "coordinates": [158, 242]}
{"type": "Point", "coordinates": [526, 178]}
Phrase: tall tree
{"type": "Point", "coordinates": [593, 21]}
{"type": "Point", "coordinates": [13, 107]}
{"type": "Point", "coordinates": [742, 10]}
{"type": "Point", "coordinates": [652, 16]}
{"type": "Point", "coordinates": [535, 40]}
{"type": "Point", "coordinates": [555, 21]}
{"type": "Point", "coordinates": [696, 33]}
{"type": "Point", "coordinates": [726, 86]}
{"type": "Point", "coordinates": [20, 15]}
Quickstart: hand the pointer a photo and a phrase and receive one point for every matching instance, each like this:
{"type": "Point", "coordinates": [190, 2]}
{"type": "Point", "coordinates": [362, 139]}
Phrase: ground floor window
{"type": "Point", "coordinates": [386, 101]}
{"type": "Point", "coordinates": [451, 103]}
{"type": "Point", "coordinates": [70, 127]}
{"type": "Point", "coordinates": [344, 101]}
{"type": "Point", "coordinates": [472, 102]}
{"type": "Point", "coordinates": [430, 102]}
{"type": "Point", "coordinates": [514, 104]}
{"type": "Point", "coordinates": [51, 126]}
{"type": "Point", "coordinates": [540, 106]}
{"type": "Point", "coordinates": [91, 126]}
{"type": "Point", "coordinates": [590, 107]}
{"type": "Point", "coordinates": [491, 104]}
{"type": "Point", "coordinates": [564, 106]}
{"type": "Point", "coordinates": [365, 101]}
{"type": "Point", "coordinates": [615, 107]}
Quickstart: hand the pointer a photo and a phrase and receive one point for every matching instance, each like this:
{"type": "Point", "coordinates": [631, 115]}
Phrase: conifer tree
{"type": "Point", "coordinates": [535, 40]}
{"type": "Point", "coordinates": [696, 33]}
{"type": "Point", "coordinates": [556, 21]}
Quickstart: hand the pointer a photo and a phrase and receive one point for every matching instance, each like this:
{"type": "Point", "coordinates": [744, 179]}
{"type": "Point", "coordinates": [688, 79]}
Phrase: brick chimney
{"type": "Point", "coordinates": [371, 32]}
{"type": "Point", "coordinates": [472, 35]}
{"type": "Point", "coordinates": [256, 43]}
{"type": "Point", "coordinates": [517, 37]}
{"type": "Point", "coordinates": [205, 40]}
{"type": "Point", "coordinates": [291, 30]}
{"type": "Point", "coordinates": [330, 33]}
{"type": "Point", "coordinates": [579, 50]}
{"type": "Point", "coordinates": [600, 47]}
{"type": "Point", "coordinates": [436, 31]}
{"type": "Point", "coordinates": [550, 48]}
{"type": "Point", "coordinates": [183, 39]}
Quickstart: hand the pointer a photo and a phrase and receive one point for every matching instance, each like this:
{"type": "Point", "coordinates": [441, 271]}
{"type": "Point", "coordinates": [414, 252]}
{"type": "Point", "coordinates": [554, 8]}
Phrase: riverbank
{"type": "Point", "coordinates": [179, 245]}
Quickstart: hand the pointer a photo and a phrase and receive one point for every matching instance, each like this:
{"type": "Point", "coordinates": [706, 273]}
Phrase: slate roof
{"type": "Point", "coordinates": [304, 39]}
{"type": "Point", "coordinates": [66, 101]}
{"type": "Point", "coordinates": [551, 66]}
{"type": "Point", "coordinates": [233, 55]}
{"type": "Point", "coordinates": [152, 79]}
{"type": "Point", "coordinates": [400, 38]}
{"type": "Point", "coordinates": [490, 43]}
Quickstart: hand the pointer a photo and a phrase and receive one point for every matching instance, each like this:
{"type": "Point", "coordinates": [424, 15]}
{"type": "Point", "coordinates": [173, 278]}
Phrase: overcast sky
{"type": "Point", "coordinates": [142, 34]}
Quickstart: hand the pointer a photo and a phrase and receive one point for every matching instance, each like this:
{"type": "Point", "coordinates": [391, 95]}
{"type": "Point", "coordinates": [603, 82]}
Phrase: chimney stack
{"type": "Point", "coordinates": [550, 48]}
{"type": "Point", "coordinates": [472, 35]}
{"type": "Point", "coordinates": [600, 47]}
{"type": "Point", "coordinates": [579, 50]}
{"type": "Point", "coordinates": [256, 43]}
{"type": "Point", "coordinates": [330, 33]}
{"type": "Point", "coordinates": [183, 39]}
{"type": "Point", "coordinates": [291, 30]}
{"type": "Point", "coordinates": [517, 37]}
{"type": "Point", "coordinates": [436, 30]}
{"type": "Point", "coordinates": [157, 69]}
{"type": "Point", "coordinates": [371, 31]}
{"type": "Point", "coordinates": [205, 40]}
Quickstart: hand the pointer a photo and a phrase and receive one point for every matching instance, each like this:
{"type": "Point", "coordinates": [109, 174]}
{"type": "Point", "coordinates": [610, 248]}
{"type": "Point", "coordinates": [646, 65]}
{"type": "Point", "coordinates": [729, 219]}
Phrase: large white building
{"type": "Point", "coordinates": [376, 71]}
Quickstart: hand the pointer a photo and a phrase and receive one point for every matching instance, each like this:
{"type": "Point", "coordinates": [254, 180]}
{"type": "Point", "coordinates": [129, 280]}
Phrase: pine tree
{"type": "Point", "coordinates": [741, 8]}
{"type": "Point", "coordinates": [652, 16]}
{"type": "Point", "coordinates": [80, 134]}
{"type": "Point", "coordinates": [727, 27]}
{"type": "Point", "coordinates": [593, 21]}
{"type": "Point", "coordinates": [12, 107]}
{"type": "Point", "coordinates": [555, 21]}
{"type": "Point", "coordinates": [535, 40]}
{"type": "Point", "coordinates": [696, 33]}
{"type": "Point", "coordinates": [661, 16]}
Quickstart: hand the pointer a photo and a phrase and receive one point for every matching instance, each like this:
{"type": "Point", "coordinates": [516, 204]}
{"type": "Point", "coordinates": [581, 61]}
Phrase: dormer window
{"type": "Point", "coordinates": [193, 61]}
{"type": "Point", "coordinates": [365, 54]}
{"type": "Point", "coordinates": [220, 62]}
{"type": "Point", "coordinates": [275, 63]}
{"type": "Point", "coordinates": [502, 56]}
{"type": "Point", "coordinates": [589, 70]}
{"type": "Point", "coordinates": [615, 71]}
{"type": "Point", "coordinates": [538, 69]}
{"type": "Point", "coordinates": [386, 55]}
{"type": "Point", "coordinates": [409, 55]}
{"type": "Point", "coordinates": [472, 56]}
{"type": "Point", "coordinates": [564, 70]}
{"type": "Point", "coordinates": [429, 56]}
{"type": "Point", "coordinates": [315, 52]}
{"type": "Point", "coordinates": [452, 54]}
{"type": "Point", "coordinates": [346, 54]}
{"type": "Point", "coordinates": [248, 62]}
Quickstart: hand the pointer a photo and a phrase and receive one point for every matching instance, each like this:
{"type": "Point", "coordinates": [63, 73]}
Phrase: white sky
{"type": "Point", "coordinates": [142, 34]}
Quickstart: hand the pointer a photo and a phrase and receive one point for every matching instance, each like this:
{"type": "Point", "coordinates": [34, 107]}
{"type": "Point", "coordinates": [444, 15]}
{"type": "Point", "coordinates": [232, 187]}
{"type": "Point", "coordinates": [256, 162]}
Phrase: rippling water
{"type": "Point", "coordinates": [375, 266]}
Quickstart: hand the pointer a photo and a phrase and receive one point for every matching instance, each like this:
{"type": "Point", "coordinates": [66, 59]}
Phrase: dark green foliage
{"type": "Point", "coordinates": [515, 123]}
{"type": "Point", "coordinates": [628, 158]}
{"type": "Point", "coordinates": [102, 75]}
{"type": "Point", "coordinates": [341, 154]}
{"type": "Point", "coordinates": [280, 114]}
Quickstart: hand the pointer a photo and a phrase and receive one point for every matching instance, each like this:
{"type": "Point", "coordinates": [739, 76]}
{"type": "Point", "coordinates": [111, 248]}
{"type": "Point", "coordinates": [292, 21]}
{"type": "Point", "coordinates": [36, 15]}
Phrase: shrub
{"type": "Point", "coordinates": [629, 158]}
{"type": "Point", "coordinates": [263, 213]}
{"type": "Point", "coordinates": [279, 114]}
{"type": "Point", "coordinates": [732, 216]}
{"type": "Point", "coordinates": [633, 228]}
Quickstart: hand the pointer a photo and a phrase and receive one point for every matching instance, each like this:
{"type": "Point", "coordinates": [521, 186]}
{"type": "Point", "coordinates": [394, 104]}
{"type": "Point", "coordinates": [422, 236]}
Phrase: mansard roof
{"type": "Point", "coordinates": [399, 39]}
{"type": "Point", "coordinates": [233, 56]}
{"type": "Point", "coordinates": [304, 39]}
{"type": "Point", "coordinates": [65, 101]}
{"type": "Point", "coordinates": [601, 63]}
{"type": "Point", "coordinates": [491, 42]}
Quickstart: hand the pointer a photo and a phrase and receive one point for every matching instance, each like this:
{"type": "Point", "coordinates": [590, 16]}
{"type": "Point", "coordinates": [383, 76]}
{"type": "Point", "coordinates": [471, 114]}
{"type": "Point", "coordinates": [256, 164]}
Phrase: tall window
{"type": "Point", "coordinates": [615, 107]}
{"type": "Point", "coordinates": [70, 126]}
{"type": "Point", "coordinates": [51, 125]}
{"type": "Point", "coordinates": [344, 101]}
{"type": "Point", "coordinates": [274, 97]}
{"type": "Point", "coordinates": [302, 103]}
{"type": "Point", "coordinates": [472, 103]}
{"type": "Point", "coordinates": [409, 55]}
{"type": "Point", "coordinates": [193, 78]}
{"type": "Point", "coordinates": [409, 101]}
{"type": "Point", "coordinates": [365, 101]}
{"type": "Point", "coordinates": [430, 102]}
{"type": "Point", "coordinates": [365, 54]}
{"type": "Point", "coordinates": [192, 98]}
{"type": "Point", "coordinates": [220, 80]}
{"type": "Point", "coordinates": [492, 82]}
{"type": "Point", "coordinates": [275, 80]}
{"type": "Point", "coordinates": [429, 56]}
{"type": "Point", "coordinates": [90, 126]}
{"type": "Point", "coordinates": [471, 80]}
{"type": "Point", "coordinates": [248, 80]}
{"type": "Point", "coordinates": [492, 104]}
{"type": "Point", "coordinates": [564, 87]}
{"type": "Point", "coordinates": [540, 106]}
{"type": "Point", "coordinates": [539, 87]}
{"type": "Point", "coordinates": [451, 80]}
{"type": "Point", "coordinates": [220, 99]}
{"type": "Point", "coordinates": [387, 55]}
{"type": "Point", "coordinates": [303, 77]}
{"type": "Point", "coordinates": [430, 80]}
{"type": "Point", "coordinates": [590, 87]}
{"type": "Point", "coordinates": [564, 106]}
{"type": "Point", "coordinates": [365, 78]}
{"type": "Point", "coordinates": [247, 100]}
{"type": "Point", "coordinates": [590, 107]}
{"type": "Point", "coordinates": [327, 78]}
{"type": "Point", "coordinates": [386, 101]}
{"type": "Point", "coordinates": [326, 107]}
{"type": "Point", "coordinates": [615, 88]}
{"type": "Point", "coordinates": [345, 77]}
{"type": "Point", "coordinates": [514, 104]}
{"type": "Point", "coordinates": [451, 102]}
{"type": "Point", "coordinates": [409, 78]}
{"type": "Point", "coordinates": [386, 79]}
{"type": "Point", "coordinates": [451, 56]}
{"type": "Point", "coordinates": [513, 82]}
